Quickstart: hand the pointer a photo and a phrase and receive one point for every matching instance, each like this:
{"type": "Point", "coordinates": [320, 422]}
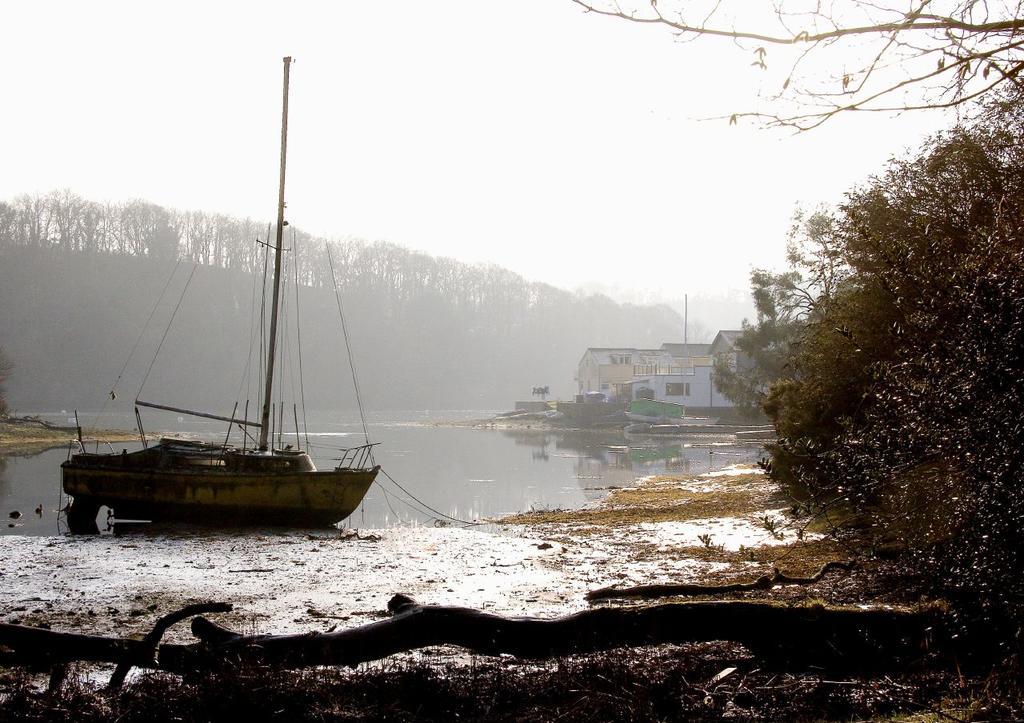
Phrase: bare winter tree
{"type": "Point", "coordinates": [840, 56]}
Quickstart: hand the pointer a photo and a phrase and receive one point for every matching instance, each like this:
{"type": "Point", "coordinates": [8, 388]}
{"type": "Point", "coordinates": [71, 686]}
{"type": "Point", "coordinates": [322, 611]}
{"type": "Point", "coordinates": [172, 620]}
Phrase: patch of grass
{"type": "Point", "coordinates": [666, 683]}
{"type": "Point", "coordinates": [800, 558]}
{"type": "Point", "coordinates": [24, 435]}
{"type": "Point", "coordinates": [665, 499]}
{"type": "Point", "coordinates": [676, 507]}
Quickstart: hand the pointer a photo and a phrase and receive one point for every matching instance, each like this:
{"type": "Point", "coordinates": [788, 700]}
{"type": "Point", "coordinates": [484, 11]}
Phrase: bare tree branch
{"type": "Point", "coordinates": [857, 55]}
{"type": "Point", "coordinates": [913, 23]}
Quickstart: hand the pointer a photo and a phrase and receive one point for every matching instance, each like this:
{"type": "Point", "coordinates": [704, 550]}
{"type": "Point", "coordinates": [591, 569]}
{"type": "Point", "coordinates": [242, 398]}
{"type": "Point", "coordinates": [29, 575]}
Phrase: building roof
{"type": "Point", "coordinates": [725, 340]}
{"type": "Point", "coordinates": [685, 350]}
{"type": "Point", "coordinates": [601, 353]}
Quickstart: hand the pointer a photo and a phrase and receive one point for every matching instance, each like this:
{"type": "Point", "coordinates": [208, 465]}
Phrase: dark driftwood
{"type": "Point", "coordinates": [765, 582]}
{"type": "Point", "coordinates": [58, 674]}
{"type": "Point", "coordinates": [829, 637]}
{"type": "Point", "coordinates": [38, 647]}
{"type": "Point", "coordinates": [145, 654]}
{"type": "Point", "coordinates": [41, 648]}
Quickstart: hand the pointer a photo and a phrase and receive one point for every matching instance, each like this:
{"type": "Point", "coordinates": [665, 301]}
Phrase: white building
{"type": "Point", "coordinates": [691, 386]}
{"type": "Point", "coordinates": [610, 370]}
{"type": "Point", "coordinates": [680, 373]}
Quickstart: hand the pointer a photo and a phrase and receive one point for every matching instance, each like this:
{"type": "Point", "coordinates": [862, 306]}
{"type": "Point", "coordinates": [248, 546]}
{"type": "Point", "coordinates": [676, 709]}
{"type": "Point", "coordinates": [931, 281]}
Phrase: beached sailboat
{"type": "Point", "coordinates": [198, 481]}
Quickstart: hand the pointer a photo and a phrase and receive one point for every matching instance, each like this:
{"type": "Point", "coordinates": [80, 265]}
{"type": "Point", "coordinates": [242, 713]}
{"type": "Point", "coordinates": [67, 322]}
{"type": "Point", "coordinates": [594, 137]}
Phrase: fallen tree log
{"type": "Point", "coordinates": [145, 654]}
{"type": "Point", "coordinates": [826, 637]}
{"type": "Point", "coordinates": [845, 638]}
{"type": "Point", "coordinates": [765, 582]}
{"type": "Point", "coordinates": [42, 648]}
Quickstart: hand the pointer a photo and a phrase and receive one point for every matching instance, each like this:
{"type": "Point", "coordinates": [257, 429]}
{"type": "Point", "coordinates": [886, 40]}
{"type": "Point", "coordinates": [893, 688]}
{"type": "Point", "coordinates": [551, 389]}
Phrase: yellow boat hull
{"type": "Point", "coordinates": [283, 498]}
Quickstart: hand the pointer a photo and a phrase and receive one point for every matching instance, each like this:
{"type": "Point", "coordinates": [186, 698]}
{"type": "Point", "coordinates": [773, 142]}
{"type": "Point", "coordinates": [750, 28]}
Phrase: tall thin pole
{"type": "Point", "coordinates": [269, 386]}
{"type": "Point", "coordinates": [686, 328]}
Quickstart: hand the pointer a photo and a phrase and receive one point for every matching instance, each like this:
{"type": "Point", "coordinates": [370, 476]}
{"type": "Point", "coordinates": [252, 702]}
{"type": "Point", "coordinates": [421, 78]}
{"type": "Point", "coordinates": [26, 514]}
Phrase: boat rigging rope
{"type": "Point", "coordinates": [112, 395]}
{"type": "Point", "coordinates": [298, 337]}
{"type": "Point", "coordinates": [169, 323]}
{"type": "Point", "coordinates": [294, 397]}
{"type": "Point", "coordinates": [348, 345]}
{"type": "Point", "coordinates": [286, 356]}
{"type": "Point", "coordinates": [246, 374]}
{"type": "Point", "coordinates": [263, 311]}
{"type": "Point", "coordinates": [282, 349]}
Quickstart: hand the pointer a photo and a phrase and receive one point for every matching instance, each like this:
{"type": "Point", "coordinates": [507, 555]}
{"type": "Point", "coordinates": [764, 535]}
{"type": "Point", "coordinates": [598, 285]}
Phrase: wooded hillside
{"type": "Point", "coordinates": [79, 279]}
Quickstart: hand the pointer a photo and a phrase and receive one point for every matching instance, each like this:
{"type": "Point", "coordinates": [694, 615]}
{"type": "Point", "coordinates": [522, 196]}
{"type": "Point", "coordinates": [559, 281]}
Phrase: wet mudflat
{"type": "Point", "coordinates": [286, 580]}
{"type": "Point", "coordinates": [279, 582]}
{"type": "Point", "coordinates": [726, 523]}
{"type": "Point", "coordinates": [538, 563]}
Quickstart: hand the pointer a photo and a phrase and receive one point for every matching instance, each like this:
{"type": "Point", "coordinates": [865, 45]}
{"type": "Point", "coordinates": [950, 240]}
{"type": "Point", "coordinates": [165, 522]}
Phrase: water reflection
{"type": "Point", "coordinates": [464, 473]}
{"type": "Point", "coordinates": [606, 459]}
{"type": "Point", "coordinates": [29, 494]}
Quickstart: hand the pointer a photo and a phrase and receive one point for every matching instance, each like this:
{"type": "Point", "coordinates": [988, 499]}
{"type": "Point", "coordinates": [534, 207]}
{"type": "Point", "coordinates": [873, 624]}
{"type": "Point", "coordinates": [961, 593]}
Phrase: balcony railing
{"type": "Point", "coordinates": [640, 370]}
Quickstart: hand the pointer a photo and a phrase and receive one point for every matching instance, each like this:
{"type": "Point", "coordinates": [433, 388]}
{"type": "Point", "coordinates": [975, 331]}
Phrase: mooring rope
{"type": "Point", "coordinates": [436, 513]}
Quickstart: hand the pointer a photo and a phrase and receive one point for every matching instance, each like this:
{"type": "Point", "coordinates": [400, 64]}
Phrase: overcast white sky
{"type": "Point", "coordinates": [561, 145]}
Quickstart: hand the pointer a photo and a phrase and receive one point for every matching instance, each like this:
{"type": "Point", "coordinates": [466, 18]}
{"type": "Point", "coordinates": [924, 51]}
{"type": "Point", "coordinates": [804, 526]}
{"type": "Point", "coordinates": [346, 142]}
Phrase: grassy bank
{"type": "Point", "coordinates": [26, 434]}
{"type": "Point", "coordinates": [724, 528]}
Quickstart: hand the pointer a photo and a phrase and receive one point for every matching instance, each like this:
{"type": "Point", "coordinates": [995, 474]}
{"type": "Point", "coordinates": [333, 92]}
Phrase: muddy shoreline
{"type": "Point", "coordinates": [732, 525]}
{"type": "Point", "coordinates": [540, 563]}
{"type": "Point", "coordinates": [704, 529]}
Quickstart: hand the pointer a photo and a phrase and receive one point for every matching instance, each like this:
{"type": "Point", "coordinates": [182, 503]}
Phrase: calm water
{"type": "Point", "coordinates": [466, 473]}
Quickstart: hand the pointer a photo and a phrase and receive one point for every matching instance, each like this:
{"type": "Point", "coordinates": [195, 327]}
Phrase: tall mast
{"type": "Point", "coordinates": [272, 347]}
{"type": "Point", "coordinates": [686, 328]}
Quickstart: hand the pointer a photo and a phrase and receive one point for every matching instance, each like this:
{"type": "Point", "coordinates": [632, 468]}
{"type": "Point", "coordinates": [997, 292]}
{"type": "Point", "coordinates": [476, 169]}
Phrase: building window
{"type": "Point", "coordinates": [677, 389]}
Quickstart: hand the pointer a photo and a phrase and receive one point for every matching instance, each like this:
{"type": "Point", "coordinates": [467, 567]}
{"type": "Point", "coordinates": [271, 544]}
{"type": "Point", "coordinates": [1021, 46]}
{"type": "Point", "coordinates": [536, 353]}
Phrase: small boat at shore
{"type": "Point", "coordinates": [221, 483]}
{"type": "Point", "coordinates": [652, 411]}
{"type": "Point", "coordinates": [196, 481]}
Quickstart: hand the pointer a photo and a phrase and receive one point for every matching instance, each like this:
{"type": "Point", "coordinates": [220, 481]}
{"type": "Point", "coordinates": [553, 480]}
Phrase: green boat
{"type": "Point", "coordinates": [655, 412]}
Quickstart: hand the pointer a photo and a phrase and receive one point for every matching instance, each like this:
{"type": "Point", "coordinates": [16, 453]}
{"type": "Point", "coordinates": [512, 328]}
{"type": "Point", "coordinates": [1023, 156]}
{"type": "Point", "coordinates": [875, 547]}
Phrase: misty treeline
{"type": "Point", "coordinates": [891, 359]}
{"type": "Point", "coordinates": [63, 220]}
{"type": "Point", "coordinates": [78, 280]}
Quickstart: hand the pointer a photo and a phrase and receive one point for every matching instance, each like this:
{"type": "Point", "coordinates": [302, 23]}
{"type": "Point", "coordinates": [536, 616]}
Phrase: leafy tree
{"type": "Point", "coordinates": [853, 55]}
{"type": "Point", "coordinates": [766, 343]}
{"type": "Point", "coordinates": [785, 303]}
{"type": "Point", "coordinates": [904, 392]}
